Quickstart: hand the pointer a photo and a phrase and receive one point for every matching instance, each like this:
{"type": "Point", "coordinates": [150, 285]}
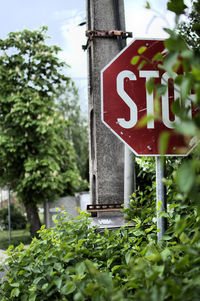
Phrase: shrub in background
{"type": "Point", "coordinates": [18, 220]}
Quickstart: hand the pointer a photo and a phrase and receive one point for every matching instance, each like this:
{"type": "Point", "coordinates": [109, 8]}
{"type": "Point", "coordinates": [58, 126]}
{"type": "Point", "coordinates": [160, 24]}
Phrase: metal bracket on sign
{"type": "Point", "coordinates": [105, 34]}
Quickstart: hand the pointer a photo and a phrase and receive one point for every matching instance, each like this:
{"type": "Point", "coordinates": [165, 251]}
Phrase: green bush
{"type": "Point", "coordinates": [74, 262]}
{"type": "Point", "coordinates": [18, 220]}
{"type": "Point", "coordinates": [70, 262]}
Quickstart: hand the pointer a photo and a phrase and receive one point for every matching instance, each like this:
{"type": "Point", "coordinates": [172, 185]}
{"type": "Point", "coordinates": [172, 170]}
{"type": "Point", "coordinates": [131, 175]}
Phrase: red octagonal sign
{"type": "Point", "coordinates": [125, 102]}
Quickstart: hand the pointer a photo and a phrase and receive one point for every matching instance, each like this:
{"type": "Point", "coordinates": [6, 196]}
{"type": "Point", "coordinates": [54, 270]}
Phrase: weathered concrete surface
{"type": "Point", "coordinates": [72, 204]}
{"type": "Point", "coordinates": [2, 274]}
{"type": "Point", "coordinates": [68, 203]}
{"type": "Point", "coordinates": [3, 256]}
{"type": "Point", "coordinates": [106, 151]}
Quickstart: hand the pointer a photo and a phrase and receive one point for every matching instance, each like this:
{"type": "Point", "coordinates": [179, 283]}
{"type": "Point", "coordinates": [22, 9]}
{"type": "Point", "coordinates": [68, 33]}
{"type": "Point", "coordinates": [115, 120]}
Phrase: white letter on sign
{"type": "Point", "coordinates": [165, 105]}
{"type": "Point", "coordinates": [126, 98]}
{"type": "Point", "coordinates": [149, 97]}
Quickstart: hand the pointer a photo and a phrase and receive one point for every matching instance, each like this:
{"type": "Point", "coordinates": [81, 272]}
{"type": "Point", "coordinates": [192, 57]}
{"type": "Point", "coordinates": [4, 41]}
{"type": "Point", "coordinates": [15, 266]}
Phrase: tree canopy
{"type": "Point", "coordinates": [189, 29]}
{"type": "Point", "coordinates": [77, 130]}
{"type": "Point", "coordinates": [36, 160]}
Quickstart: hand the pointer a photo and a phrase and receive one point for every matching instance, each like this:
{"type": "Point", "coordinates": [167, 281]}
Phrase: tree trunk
{"type": "Point", "coordinates": [33, 218]}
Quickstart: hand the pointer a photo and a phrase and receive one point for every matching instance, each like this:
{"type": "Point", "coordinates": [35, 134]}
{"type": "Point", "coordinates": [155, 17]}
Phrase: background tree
{"type": "Point", "coordinates": [36, 160]}
{"type": "Point", "coordinates": [77, 130]}
{"type": "Point", "coordinates": [189, 29]}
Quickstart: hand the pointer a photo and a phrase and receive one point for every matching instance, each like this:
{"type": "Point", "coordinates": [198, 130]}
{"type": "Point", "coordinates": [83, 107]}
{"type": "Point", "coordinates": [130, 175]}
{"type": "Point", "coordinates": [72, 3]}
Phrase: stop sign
{"type": "Point", "coordinates": [125, 102]}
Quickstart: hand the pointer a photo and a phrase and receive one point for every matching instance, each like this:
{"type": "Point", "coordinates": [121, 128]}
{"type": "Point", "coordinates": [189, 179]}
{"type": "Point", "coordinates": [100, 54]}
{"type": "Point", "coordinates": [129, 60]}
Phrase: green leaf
{"type": "Point", "coordinates": [155, 257]}
{"type": "Point", "coordinates": [45, 285]}
{"type": "Point", "coordinates": [184, 238]}
{"type": "Point", "coordinates": [196, 72]}
{"type": "Point", "coordinates": [159, 269]}
{"type": "Point", "coordinates": [158, 57]}
{"type": "Point", "coordinates": [15, 292]}
{"type": "Point", "coordinates": [58, 282]}
{"type": "Point", "coordinates": [185, 87]}
{"type": "Point", "coordinates": [176, 6]}
{"type": "Point", "coordinates": [166, 238]}
{"type": "Point", "coordinates": [144, 120]}
{"type": "Point", "coordinates": [24, 297]}
{"type": "Point", "coordinates": [148, 6]}
{"type": "Point", "coordinates": [128, 257]}
{"type": "Point", "coordinates": [171, 32]}
{"type": "Point", "coordinates": [188, 54]}
{"type": "Point", "coordinates": [32, 297]}
{"type": "Point", "coordinates": [164, 142]}
{"type": "Point", "coordinates": [160, 90]}
{"type": "Point", "coordinates": [175, 107]}
{"type": "Point", "coordinates": [185, 177]}
{"type": "Point", "coordinates": [175, 44]}
{"type": "Point", "coordinates": [135, 60]}
{"type": "Point", "coordinates": [131, 284]}
{"type": "Point", "coordinates": [150, 85]}
{"type": "Point", "coordinates": [69, 287]}
{"type": "Point", "coordinates": [142, 64]}
{"type": "Point", "coordinates": [187, 128]}
{"type": "Point", "coordinates": [159, 205]}
{"type": "Point", "coordinates": [116, 267]}
{"type": "Point", "coordinates": [37, 280]}
{"type": "Point", "coordinates": [80, 268]}
{"type": "Point", "coordinates": [16, 284]}
{"type": "Point", "coordinates": [105, 280]}
{"type": "Point", "coordinates": [142, 49]}
{"type": "Point", "coordinates": [195, 237]}
{"type": "Point", "coordinates": [169, 62]}
{"type": "Point", "coordinates": [139, 232]}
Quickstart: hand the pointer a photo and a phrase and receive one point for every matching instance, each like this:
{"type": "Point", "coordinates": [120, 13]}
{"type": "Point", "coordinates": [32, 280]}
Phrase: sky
{"type": "Point", "coordinates": [62, 18]}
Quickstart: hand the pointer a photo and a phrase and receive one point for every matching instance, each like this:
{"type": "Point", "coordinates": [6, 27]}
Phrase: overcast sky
{"type": "Point", "coordinates": [62, 18]}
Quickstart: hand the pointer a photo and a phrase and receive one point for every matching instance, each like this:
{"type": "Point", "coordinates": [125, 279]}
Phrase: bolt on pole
{"type": "Point", "coordinates": [161, 204]}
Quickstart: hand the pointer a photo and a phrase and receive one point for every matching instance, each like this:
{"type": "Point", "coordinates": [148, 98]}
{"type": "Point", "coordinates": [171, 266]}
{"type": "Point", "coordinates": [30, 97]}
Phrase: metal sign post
{"type": "Point", "coordinates": [129, 176]}
{"type": "Point", "coordinates": [9, 217]}
{"type": "Point", "coordinates": [161, 204]}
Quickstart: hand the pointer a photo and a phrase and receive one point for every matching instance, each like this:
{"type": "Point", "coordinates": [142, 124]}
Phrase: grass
{"type": "Point", "coordinates": [17, 236]}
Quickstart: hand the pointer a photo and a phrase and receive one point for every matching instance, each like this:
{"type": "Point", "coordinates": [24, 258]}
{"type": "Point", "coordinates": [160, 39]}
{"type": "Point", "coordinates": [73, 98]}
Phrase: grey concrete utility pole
{"type": "Point", "coordinates": [106, 151]}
